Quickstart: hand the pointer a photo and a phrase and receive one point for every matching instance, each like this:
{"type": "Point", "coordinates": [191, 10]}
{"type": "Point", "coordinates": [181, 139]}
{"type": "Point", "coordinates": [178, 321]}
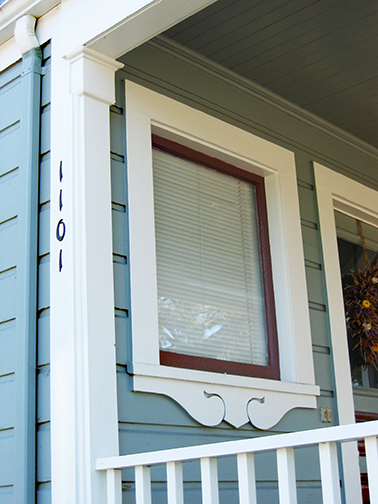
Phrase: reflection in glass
{"type": "Point", "coordinates": [351, 256]}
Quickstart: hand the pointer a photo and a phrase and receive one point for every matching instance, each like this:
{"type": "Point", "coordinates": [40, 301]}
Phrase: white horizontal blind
{"type": "Point", "coordinates": [210, 289]}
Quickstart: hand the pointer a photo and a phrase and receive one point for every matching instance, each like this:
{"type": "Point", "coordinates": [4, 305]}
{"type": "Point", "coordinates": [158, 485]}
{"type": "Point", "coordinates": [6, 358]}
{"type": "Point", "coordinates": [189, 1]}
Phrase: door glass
{"type": "Point", "coordinates": [352, 259]}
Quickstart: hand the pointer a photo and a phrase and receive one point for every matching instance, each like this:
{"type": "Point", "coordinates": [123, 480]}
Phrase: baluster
{"type": "Point", "coordinates": [114, 486]}
{"type": "Point", "coordinates": [246, 478]}
{"type": "Point", "coordinates": [142, 485]}
{"type": "Point", "coordinates": [209, 479]}
{"type": "Point", "coordinates": [371, 449]}
{"type": "Point", "coordinates": [175, 484]}
{"type": "Point", "coordinates": [329, 471]}
{"type": "Point", "coordinates": [287, 484]}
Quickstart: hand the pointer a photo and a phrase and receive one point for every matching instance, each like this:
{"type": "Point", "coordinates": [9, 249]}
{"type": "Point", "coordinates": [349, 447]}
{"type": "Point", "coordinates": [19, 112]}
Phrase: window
{"type": "Point", "coordinates": [215, 293]}
{"type": "Point", "coordinates": [341, 201]}
{"type": "Point", "coordinates": [352, 259]}
{"type": "Point", "coordinates": [269, 389]}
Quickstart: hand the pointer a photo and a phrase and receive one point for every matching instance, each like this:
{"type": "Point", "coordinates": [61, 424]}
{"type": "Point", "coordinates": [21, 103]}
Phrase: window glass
{"type": "Point", "coordinates": [211, 302]}
{"type": "Point", "coordinates": [352, 259]}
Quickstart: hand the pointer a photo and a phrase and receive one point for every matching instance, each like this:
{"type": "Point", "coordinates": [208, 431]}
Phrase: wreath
{"type": "Point", "coordinates": [361, 304]}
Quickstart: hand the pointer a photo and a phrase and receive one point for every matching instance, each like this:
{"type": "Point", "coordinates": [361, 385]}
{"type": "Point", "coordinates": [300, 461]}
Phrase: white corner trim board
{"type": "Point", "coordinates": [211, 397]}
{"type": "Point", "coordinates": [83, 401]}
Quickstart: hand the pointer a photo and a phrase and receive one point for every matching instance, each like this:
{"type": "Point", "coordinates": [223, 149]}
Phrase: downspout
{"type": "Point", "coordinates": [27, 261]}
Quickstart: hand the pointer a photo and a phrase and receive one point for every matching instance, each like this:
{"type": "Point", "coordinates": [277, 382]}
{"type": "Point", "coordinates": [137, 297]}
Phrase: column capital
{"type": "Point", "coordinates": [92, 74]}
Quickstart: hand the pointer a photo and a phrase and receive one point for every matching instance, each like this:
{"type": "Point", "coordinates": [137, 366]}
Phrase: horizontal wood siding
{"type": "Point", "coordinates": [43, 476]}
{"type": "Point", "coordinates": [10, 98]}
{"type": "Point", "coordinates": [11, 466]}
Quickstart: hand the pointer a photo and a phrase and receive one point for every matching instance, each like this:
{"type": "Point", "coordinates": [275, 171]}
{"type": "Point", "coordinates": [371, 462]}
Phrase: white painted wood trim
{"type": "Point", "coordinates": [205, 377]}
{"type": "Point", "coordinates": [246, 478]}
{"type": "Point", "coordinates": [337, 192]}
{"type": "Point", "coordinates": [146, 112]}
{"type": "Point", "coordinates": [371, 447]}
{"type": "Point", "coordinates": [324, 188]}
{"type": "Point", "coordinates": [116, 27]}
{"type": "Point", "coordinates": [326, 439]}
{"type": "Point", "coordinates": [287, 484]}
{"type": "Point", "coordinates": [9, 53]}
{"type": "Point", "coordinates": [114, 486]}
{"type": "Point", "coordinates": [62, 341]}
{"type": "Point", "coordinates": [175, 485]}
{"type": "Point", "coordinates": [210, 402]}
{"type": "Point", "coordinates": [329, 470]}
{"type": "Point", "coordinates": [142, 485]}
{"type": "Point", "coordinates": [84, 417]}
{"type": "Point", "coordinates": [113, 28]}
{"type": "Point", "coordinates": [339, 433]}
{"type": "Point", "coordinates": [209, 480]}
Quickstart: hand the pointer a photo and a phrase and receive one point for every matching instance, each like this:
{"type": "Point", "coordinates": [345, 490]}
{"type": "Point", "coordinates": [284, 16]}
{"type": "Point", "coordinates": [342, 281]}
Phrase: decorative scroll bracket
{"type": "Point", "coordinates": [210, 404]}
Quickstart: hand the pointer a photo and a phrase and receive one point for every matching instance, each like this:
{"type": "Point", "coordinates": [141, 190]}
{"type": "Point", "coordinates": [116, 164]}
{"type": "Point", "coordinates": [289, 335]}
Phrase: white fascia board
{"type": "Point", "coordinates": [9, 53]}
{"type": "Point", "coordinates": [111, 28]}
{"type": "Point", "coordinates": [11, 10]}
{"type": "Point", "coordinates": [115, 27]}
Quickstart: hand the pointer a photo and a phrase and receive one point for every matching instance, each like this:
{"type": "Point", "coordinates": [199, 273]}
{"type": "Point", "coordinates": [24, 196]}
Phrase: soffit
{"type": "Point", "coordinates": [320, 55]}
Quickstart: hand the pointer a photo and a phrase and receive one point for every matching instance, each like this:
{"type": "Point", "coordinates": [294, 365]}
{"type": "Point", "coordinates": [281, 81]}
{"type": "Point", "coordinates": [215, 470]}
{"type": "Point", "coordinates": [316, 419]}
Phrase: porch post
{"type": "Point", "coordinates": [84, 420]}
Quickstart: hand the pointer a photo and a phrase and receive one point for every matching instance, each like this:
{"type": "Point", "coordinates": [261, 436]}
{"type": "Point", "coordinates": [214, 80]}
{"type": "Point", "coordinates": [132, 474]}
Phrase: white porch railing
{"type": "Point", "coordinates": [284, 444]}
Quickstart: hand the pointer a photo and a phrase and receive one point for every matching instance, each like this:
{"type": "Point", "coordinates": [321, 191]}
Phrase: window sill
{"type": "Point", "coordinates": [211, 398]}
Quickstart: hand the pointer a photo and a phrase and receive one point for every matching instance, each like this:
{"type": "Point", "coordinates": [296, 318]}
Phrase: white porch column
{"type": "Point", "coordinates": [84, 421]}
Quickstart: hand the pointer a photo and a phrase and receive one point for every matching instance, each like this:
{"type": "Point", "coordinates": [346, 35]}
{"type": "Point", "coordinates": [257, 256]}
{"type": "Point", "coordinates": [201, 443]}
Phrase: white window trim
{"type": "Point", "coordinates": [210, 397]}
{"type": "Point", "coordinates": [337, 192]}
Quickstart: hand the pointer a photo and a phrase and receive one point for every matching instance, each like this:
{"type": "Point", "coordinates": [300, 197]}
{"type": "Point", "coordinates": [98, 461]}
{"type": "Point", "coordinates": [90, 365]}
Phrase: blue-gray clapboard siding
{"type": "Point", "coordinates": [10, 119]}
{"type": "Point", "coordinates": [148, 421]}
{"type": "Point", "coordinates": [23, 155]}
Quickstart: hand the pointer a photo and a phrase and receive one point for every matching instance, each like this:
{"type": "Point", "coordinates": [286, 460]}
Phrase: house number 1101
{"type": "Point", "coordinates": [61, 226]}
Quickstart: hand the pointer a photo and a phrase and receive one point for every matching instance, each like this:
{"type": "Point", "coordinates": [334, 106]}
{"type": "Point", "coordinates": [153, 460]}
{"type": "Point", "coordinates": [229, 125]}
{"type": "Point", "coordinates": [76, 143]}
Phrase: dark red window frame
{"type": "Point", "coordinates": [216, 365]}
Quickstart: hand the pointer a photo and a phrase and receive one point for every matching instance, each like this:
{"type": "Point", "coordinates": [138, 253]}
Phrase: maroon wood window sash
{"type": "Point", "coordinates": [217, 365]}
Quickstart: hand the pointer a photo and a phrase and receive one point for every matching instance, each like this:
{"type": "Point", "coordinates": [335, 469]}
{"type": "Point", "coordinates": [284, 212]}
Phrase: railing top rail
{"type": "Point", "coordinates": [339, 433]}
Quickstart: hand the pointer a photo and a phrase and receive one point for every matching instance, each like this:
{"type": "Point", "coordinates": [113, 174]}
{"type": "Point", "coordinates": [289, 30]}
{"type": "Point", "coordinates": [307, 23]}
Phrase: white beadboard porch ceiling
{"type": "Point", "coordinates": [320, 54]}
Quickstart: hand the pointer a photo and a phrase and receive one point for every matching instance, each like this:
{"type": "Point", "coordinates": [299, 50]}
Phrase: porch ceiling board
{"type": "Point", "coordinates": [321, 55]}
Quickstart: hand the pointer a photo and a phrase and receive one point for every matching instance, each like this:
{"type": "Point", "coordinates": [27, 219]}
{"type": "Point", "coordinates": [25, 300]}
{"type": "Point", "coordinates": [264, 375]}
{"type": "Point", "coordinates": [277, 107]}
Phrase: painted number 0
{"type": "Point", "coordinates": [60, 230]}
